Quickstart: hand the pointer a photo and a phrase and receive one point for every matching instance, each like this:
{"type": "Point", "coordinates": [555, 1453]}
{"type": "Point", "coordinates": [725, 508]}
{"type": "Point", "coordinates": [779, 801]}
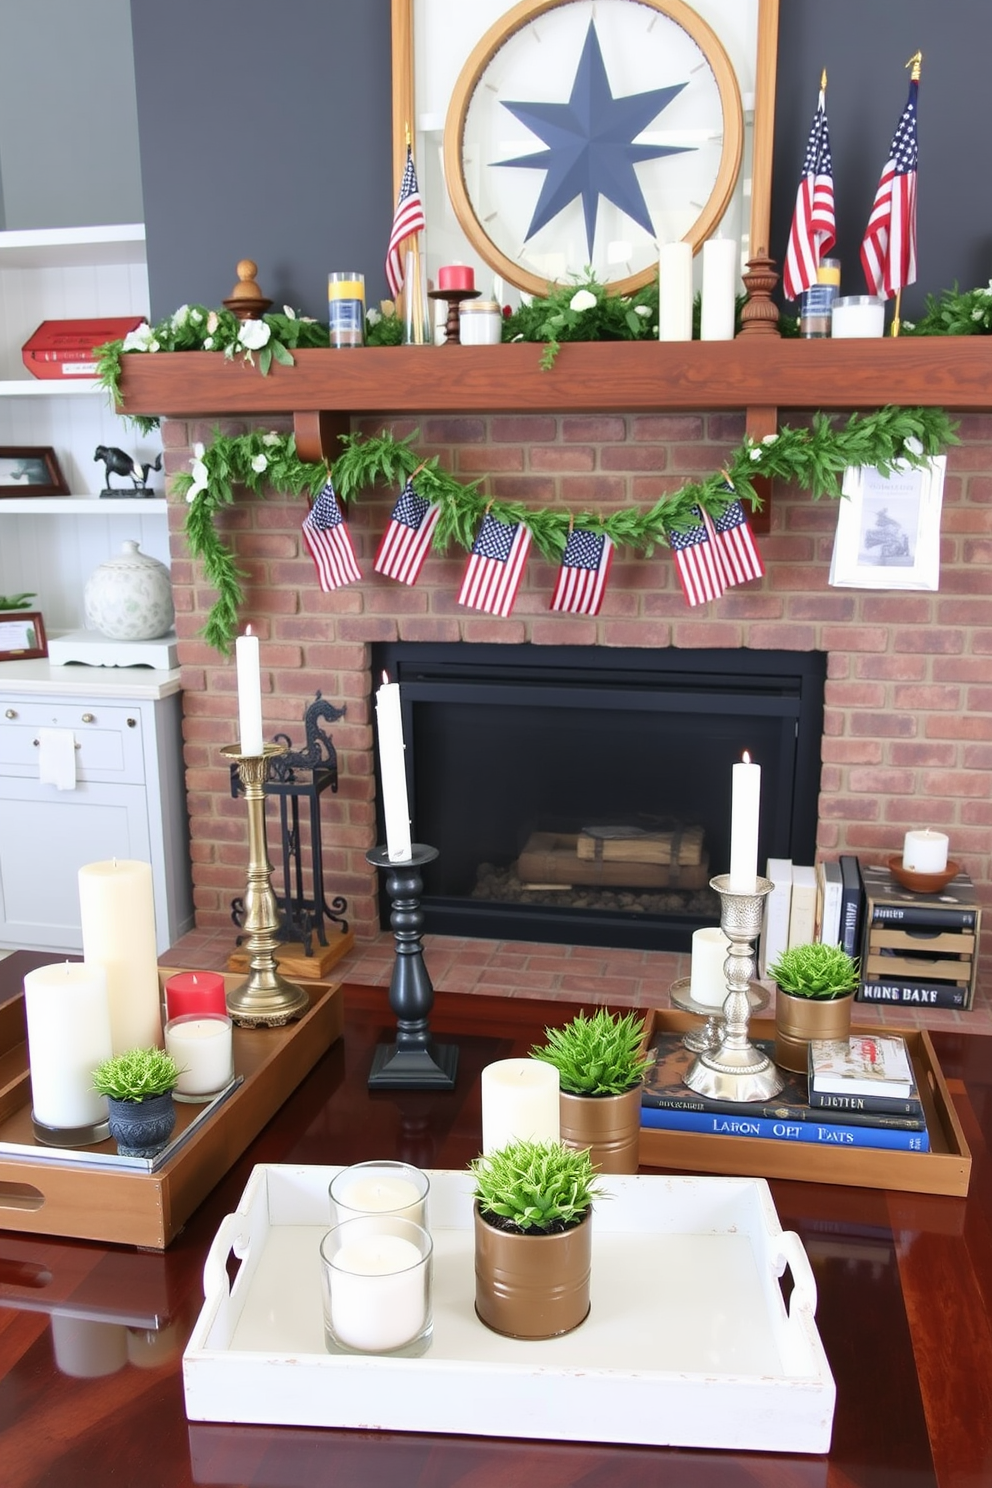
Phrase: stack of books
{"type": "Point", "coordinates": [919, 949]}
{"type": "Point", "coordinates": [808, 904]}
{"type": "Point", "coordinates": [830, 1107]}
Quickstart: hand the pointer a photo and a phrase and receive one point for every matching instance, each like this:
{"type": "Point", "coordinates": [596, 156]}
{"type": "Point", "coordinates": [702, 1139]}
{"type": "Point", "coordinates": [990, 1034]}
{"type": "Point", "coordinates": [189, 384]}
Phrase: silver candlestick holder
{"type": "Point", "coordinates": [266, 999]}
{"type": "Point", "coordinates": [735, 1070]}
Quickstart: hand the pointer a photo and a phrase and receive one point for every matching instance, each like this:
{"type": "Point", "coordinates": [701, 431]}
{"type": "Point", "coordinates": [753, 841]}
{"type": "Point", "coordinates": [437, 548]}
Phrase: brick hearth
{"type": "Point", "coordinates": [908, 723]}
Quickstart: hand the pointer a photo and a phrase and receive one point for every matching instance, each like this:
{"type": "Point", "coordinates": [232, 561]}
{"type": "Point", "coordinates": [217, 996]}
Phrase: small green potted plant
{"type": "Point", "coordinates": [533, 1238]}
{"type": "Point", "coordinates": [601, 1063]}
{"type": "Point", "coordinates": [815, 991]}
{"type": "Point", "coordinates": [138, 1085]}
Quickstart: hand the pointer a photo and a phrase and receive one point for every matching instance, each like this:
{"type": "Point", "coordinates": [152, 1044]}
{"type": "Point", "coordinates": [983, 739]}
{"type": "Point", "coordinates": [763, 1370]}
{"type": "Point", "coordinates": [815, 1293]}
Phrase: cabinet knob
{"type": "Point", "coordinates": [132, 723]}
{"type": "Point", "coordinates": [88, 718]}
{"type": "Point", "coordinates": [37, 744]}
{"type": "Point", "coordinates": [10, 713]}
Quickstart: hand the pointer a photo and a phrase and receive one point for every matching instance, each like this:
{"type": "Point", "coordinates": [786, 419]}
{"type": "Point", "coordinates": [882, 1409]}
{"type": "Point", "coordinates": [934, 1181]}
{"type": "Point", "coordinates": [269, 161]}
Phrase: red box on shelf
{"type": "Point", "coordinates": [66, 348]}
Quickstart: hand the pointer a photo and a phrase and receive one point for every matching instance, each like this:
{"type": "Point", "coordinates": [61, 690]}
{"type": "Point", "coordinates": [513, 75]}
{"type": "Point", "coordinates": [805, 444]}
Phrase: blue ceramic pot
{"type": "Point", "coordinates": [142, 1128]}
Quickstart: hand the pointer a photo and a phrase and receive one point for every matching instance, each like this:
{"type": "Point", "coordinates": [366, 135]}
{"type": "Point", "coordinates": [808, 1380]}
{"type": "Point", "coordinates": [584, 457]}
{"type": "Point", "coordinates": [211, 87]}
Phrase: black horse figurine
{"type": "Point", "coordinates": [117, 462]}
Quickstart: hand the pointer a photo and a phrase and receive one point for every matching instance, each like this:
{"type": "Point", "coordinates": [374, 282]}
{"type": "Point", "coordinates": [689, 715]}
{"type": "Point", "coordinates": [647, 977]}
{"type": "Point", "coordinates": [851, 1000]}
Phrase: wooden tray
{"type": "Point", "coordinates": [51, 1191]}
{"type": "Point", "coordinates": [945, 1169]}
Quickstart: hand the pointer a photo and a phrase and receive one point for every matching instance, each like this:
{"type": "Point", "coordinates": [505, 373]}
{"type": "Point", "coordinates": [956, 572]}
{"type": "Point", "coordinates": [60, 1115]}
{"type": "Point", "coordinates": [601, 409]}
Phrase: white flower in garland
{"type": "Point", "coordinates": [180, 317]}
{"type": "Point", "coordinates": [254, 334]}
{"type": "Point", "coordinates": [213, 321]}
{"type": "Point", "coordinates": [272, 438]}
{"type": "Point", "coordinates": [259, 464]}
{"type": "Point", "coordinates": [289, 312]}
{"type": "Point", "coordinates": [642, 310]}
{"type": "Point", "coordinates": [142, 338]}
{"type": "Point", "coordinates": [583, 299]}
{"type": "Point", "coordinates": [201, 475]}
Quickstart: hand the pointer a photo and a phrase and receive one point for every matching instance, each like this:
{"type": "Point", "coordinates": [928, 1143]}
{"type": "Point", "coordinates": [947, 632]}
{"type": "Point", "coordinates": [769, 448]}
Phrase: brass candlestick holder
{"type": "Point", "coordinates": [735, 1070]}
{"type": "Point", "coordinates": [266, 999]}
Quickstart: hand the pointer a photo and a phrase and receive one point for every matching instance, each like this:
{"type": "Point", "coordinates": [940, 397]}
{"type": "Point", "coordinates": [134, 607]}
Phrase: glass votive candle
{"type": "Point", "coordinates": [188, 992]}
{"type": "Point", "coordinates": [202, 1046]}
{"type": "Point", "coordinates": [480, 323]}
{"type": "Point", "coordinates": [384, 1187]}
{"type": "Point", "coordinates": [857, 317]}
{"type": "Point", "coordinates": [376, 1275]}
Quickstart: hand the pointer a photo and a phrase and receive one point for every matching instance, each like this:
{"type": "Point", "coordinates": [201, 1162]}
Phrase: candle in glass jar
{"type": "Point", "coordinates": [392, 771]}
{"type": "Point", "coordinates": [925, 852]}
{"type": "Point", "coordinates": [520, 1103]}
{"type": "Point", "coordinates": [456, 276]}
{"type": "Point", "coordinates": [707, 980]}
{"type": "Point", "coordinates": [202, 1047]}
{"type": "Point", "coordinates": [249, 694]}
{"type": "Point", "coordinates": [744, 807]}
{"type": "Point", "coordinates": [376, 1280]}
{"type": "Point", "coordinates": [188, 992]}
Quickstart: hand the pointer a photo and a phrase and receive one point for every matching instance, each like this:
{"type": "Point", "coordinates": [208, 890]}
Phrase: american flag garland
{"type": "Point", "coordinates": [716, 553]}
{"type": "Point", "coordinates": [582, 576]}
{"type": "Point", "coordinates": [496, 566]}
{"type": "Point", "coordinates": [325, 534]}
{"type": "Point", "coordinates": [406, 541]}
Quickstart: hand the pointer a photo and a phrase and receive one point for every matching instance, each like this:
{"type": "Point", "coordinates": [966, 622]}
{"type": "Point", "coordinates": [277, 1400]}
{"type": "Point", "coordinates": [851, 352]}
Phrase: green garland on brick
{"type": "Point", "coordinates": [813, 457]}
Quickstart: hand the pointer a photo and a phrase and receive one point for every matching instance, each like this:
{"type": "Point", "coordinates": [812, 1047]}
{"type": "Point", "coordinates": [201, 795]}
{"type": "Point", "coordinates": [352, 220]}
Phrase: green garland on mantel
{"type": "Point", "coordinates": [814, 457]}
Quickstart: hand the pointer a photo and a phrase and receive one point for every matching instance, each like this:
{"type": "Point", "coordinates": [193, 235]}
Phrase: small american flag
{"type": "Point", "coordinates": [496, 566]}
{"type": "Point", "coordinates": [700, 571]}
{"type": "Point", "coordinates": [813, 226]}
{"type": "Point", "coordinates": [734, 544]}
{"type": "Point", "coordinates": [326, 537]}
{"type": "Point", "coordinates": [407, 540]}
{"type": "Point", "coordinates": [582, 577]}
{"type": "Point", "coordinates": [408, 219]}
{"type": "Point", "coordinates": [888, 253]}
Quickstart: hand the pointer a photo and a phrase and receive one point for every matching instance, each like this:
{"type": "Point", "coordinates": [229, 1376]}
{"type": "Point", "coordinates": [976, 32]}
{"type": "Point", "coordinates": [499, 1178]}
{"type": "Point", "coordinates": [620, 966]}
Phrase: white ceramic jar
{"type": "Point", "coordinates": [129, 598]}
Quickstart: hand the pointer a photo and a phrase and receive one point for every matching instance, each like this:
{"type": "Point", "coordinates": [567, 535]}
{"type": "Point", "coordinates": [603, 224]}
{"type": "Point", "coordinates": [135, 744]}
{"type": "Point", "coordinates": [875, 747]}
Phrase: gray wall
{"type": "Point", "coordinates": [265, 132]}
{"type": "Point", "coordinates": [68, 118]}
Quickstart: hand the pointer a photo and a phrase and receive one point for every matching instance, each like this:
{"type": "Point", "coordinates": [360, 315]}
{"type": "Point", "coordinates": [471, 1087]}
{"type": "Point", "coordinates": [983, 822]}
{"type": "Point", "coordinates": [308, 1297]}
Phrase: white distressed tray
{"type": "Point", "coordinates": [688, 1342]}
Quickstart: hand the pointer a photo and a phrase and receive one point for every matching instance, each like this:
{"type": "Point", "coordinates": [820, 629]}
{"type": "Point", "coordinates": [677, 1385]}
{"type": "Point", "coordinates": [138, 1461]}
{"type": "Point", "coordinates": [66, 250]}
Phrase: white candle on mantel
{"type": "Point", "coordinates": [675, 292]}
{"type": "Point", "coordinates": [68, 1018]}
{"type": "Point", "coordinates": [721, 272]}
{"type": "Point", "coordinates": [117, 911]}
{"type": "Point", "coordinates": [246, 655]}
{"type": "Point", "coordinates": [744, 805]}
{"type": "Point", "coordinates": [392, 771]}
{"type": "Point", "coordinates": [925, 852]}
{"type": "Point", "coordinates": [520, 1103]}
{"type": "Point", "coordinates": [707, 980]}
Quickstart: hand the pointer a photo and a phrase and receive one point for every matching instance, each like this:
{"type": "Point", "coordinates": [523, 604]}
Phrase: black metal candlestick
{"type": "Point", "coordinates": [414, 1062]}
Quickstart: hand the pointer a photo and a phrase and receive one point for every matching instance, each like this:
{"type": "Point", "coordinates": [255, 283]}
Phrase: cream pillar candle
{"type": "Point", "coordinates": [745, 804]}
{"type": "Point", "coordinates": [675, 292]}
{"type": "Point", "coordinates": [68, 1018]}
{"type": "Point", "coordinates": [117, 909]}
{"type": "Point", "coordinates": [246, 653]}
{"type": "Point", "coordinates": [202, 1046]}
{"type": "Point", "coordinates": [707, 980]}
{"type": "Point", "coordinates": [520, 1103]}
{"type": "Point", "coordinates": [721, 272]}
{"type": "Point", "coordinates": [925, 852]}
{"type": "Point", "coordinates": [392, 770]}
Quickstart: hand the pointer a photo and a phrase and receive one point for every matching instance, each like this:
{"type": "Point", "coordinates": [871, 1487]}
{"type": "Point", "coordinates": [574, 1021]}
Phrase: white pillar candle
{"type": "Point", "coordinates": [376, 1279]}
{"type": "Point", "coordinates": [925, 852]}
{"type": "Point", "coordinates": [249, 694]}
{"type": "Point", "coordinates": [202, 1046]}
{"type": "Point", "coordinates": [520, 1103]}
{"type": "Point", "coordinates": [720, 275]}
{"type": "Point", "coordinates": [392, 770]}
{"type": "Point", "coordinates": [745, 803]}
{"type": "Point", "coordinates": [117, 909]}
{"type": "Point", "coordinates": [707, 980]}
{"type": "Point", "coordinates": [68, 1018]}
{"type": "Point", "coordinates": [675, 292]}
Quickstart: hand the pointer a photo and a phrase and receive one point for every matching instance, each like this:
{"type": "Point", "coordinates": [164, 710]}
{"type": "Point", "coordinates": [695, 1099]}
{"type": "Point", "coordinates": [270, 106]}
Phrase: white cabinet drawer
{"type": "Point", "coordinates": [107, 737]}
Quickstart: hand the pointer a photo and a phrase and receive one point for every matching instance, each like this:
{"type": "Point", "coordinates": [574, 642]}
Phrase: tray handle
{"type": "Point", "coordinates": [230, 1237]}
{"type": "Point", "coordinates": [792, 1253]}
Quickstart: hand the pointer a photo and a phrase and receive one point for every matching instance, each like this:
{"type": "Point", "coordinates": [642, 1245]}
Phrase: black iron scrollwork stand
{"type": "Point", "coordinates": [414, 1061]}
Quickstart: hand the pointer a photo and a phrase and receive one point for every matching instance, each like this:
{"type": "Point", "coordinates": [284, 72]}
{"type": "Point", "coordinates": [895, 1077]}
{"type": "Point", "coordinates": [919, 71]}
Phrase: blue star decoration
{"type": "Point", "coordinates": [591, 151]}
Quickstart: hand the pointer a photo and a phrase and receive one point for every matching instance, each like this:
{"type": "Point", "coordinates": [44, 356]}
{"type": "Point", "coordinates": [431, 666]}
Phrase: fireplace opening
{"type": "Point", "coordinates": [579, 794]}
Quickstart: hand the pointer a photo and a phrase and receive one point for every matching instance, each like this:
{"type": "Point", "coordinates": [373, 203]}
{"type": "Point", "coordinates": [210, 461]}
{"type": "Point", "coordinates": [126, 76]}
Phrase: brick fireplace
{"type": "Point", "coordinates": [907, 735]}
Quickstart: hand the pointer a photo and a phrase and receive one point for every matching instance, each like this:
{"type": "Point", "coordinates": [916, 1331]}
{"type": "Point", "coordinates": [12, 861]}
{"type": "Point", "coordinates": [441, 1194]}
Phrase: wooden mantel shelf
{"type": "Point", "coordinates": [754, 372]}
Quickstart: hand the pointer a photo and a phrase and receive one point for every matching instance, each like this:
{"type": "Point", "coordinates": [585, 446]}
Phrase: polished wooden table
{"type": "Point", "coordinates": [905, 1289]}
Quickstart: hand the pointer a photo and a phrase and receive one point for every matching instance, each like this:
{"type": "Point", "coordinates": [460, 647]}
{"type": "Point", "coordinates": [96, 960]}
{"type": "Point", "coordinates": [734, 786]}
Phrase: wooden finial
{"type": "Point", "coordinates": [246, 299]}
{"type": "Point", "coordinates": [916, 63]}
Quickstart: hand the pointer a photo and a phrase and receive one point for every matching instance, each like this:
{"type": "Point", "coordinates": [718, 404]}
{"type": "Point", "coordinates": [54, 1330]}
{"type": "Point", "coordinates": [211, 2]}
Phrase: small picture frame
{"type": "Point", "coordinates": [30, 470]}
{"type": "Point", "coordinates": [888, 527]}
{"type": "Point", "coordinates": [22, 635]}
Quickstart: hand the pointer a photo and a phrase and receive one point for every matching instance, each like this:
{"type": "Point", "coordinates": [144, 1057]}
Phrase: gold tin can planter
{"type": "Point", "coordinates": [532, 1286]}
{"type": "Point", "coordinates": [609, 1125]}
{"type": "Point", "coordinates": [800, 1019]}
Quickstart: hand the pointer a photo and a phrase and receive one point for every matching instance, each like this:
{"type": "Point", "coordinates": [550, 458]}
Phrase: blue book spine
{"type": "Point", "coordinates": [832, 1135]}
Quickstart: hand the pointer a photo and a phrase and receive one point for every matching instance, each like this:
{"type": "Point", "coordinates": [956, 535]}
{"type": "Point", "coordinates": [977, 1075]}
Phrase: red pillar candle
{"type": "Point", "coordinates": [456, 276]}
{"type": "Point", "coordinates": [191, 992]}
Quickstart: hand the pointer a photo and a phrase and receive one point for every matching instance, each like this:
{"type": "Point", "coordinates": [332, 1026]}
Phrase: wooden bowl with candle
{"type": "Point", "coordinates": [923, 883]}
